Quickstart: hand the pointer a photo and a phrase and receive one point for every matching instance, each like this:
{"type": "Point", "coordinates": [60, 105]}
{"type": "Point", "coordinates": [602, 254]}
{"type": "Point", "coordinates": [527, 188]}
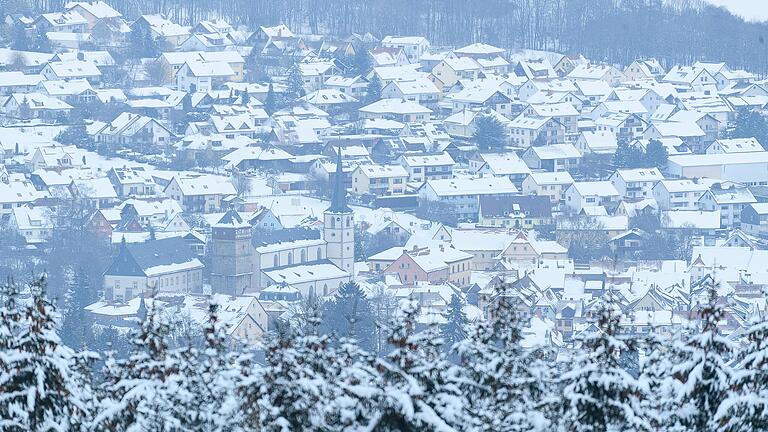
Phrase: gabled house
{"type": "Point", "coordinates": [636, 183]}
{"type": "Point", "coordinates": [197, 76]}
{"type": "Point", "coordinates": [730, 199]}
{"type": "Point", "coordinates": [582, 195]}
{"type": "Point", "coordinates": [553, 157]}
{"type": "Point", "coordinates": [135, 131]}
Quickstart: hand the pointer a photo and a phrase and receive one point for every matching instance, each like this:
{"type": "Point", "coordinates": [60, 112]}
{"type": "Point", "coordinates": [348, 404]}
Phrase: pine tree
{"type": "Point", "coordinates": [270, 103]}
{"type": "Point", "coordinates": [295, 85]}
{"type": "Point", "coordinates": [362, 60]}
{"type": "Point", "coordinates": [628, 156]}
{"type": "Point", "coordinates": [656, 154]}
{"type": "Point", "coordinates": [490, 133]}
{"type": "Point", "coordinates": [348, 315]}
{"type": "Point", "coordinates": [134, 394]}
{"type": "Point", "coordinates": [416, 390]}
{"type": "Point", "coordinates": [703, 371]}
{"type": "Point", "coordinates": [750, 124]}
{"type": "Point", "coordinates": [11, 385]}
{"type": "Point", "coordinates": [505, 384]}
{"type": "Point", "coordinates": [38, 389]}
{"type": "Point", "coordinates": [657, 381]}
{"type": "Point", "coordinates": [77, 329]}
{"type": "Point", "coordinates": [746, 406]}
{"type": "Point", "coordinates": [455, 328]}
{"type": "Point", "coordinates": [374, 90]}
{"type": "Point", "coordinates": [598, 394]}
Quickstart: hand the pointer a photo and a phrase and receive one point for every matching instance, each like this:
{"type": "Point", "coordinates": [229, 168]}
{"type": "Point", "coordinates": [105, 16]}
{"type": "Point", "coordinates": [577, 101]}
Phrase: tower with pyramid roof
{"type": "Point", "coordinates": [339, 224]}
{"type": "Point", "coordinates": [231, 255]}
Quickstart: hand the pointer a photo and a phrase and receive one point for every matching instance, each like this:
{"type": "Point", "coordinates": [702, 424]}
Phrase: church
{"type": "Point", "coordinates": [312, 264]}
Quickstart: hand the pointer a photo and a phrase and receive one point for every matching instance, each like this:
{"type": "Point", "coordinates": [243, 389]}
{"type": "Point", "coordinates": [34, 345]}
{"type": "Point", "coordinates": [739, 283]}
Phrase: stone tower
{"type": "Point", "coordinates": [231, 255]}
{"type": "Point", "coordinates": [339, 225]}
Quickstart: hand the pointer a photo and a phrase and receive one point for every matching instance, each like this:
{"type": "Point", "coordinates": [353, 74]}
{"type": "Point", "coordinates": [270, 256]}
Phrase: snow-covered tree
{"type": "Point", "coordinates": [454, 330]}
{"type": "Point", "coordinates": [416, 390]}
{"type": "Point", "coordinates": [490, 133]}
{"type": "Point", "coordinates": [135, 395]}
{"type": "Point", "coordinates": [657, 382]}
{"type": "Point", "coordinates": [598, 394]}
{"type": "Point", "coordinates": [270, 103]}
{"type": "Point", "coordinates": [295, 85]}
{"type": "Point", "coordinates": [37, 389]}
{"type": "Point", "coordinates": [703, 371]}
{"type": "Point", "coordinates": [374, 89]}
{"type": "Point", "coordinates": [505, 384]}
{"type": "Point", "coordinates": [348, 315]}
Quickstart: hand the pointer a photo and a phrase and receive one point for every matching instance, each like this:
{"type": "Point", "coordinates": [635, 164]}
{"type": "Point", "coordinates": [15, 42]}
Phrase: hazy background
{"type": "Point", "coordinates": [751, 10]}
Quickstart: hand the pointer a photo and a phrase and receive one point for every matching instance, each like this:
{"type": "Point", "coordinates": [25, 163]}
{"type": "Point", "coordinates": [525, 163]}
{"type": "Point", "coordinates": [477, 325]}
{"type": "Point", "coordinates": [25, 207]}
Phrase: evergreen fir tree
{"type": "Point", "coordinates": [598, 394]}
{"type": "Point", "coordinates": [703, 371]}
{"type": "Point", "coordinates": [39, 392]}
{"type": "Point", "coordinates": [295, 85]}
{"type": "Point", "coordinates": [134, 394]}
{"type": "Point", "coordinates": [77, 329]}
{"type": "Point", "coordinates": [455, 328]}
{"type": "Point", "coordinates": [416, 390]}
{"type": "Point", "coordinates": [656, 154]}
{"type": "Point", "coordinates": [746, 406]}
{"type": "Point", "coordinates": [270, 103]}
{"type": "Point", "coordinates": [750, 124]}
{"type": "Point", "coordinates": [656, 380]}
{"type": "Point", "coordinates": [490, 133]}
{"type": "Point", "coordinates": [505, 385]}
{"type": "Point", "coordinates": [11, 385]}
{"type": "Point", "coordinates": [348, 315]}
{"type": "Point", "coordinates": [374, 90]}
{"type": "Point", "coordinates": [628, 156]}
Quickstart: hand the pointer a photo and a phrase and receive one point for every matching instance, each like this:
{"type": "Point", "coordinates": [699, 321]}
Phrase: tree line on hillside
{"type": "Point", "coordinates": [313, 375]}
{"type": "Point", "coordinates": [678, 31]}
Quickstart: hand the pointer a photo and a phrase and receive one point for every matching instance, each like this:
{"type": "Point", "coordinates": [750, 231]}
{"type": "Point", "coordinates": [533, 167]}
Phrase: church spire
{"type": "Point", "coordinates": [339, 199]}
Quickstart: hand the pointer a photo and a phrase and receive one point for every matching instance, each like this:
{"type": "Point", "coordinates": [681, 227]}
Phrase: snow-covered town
{"type": "Point", "coordinates": [346, 231]}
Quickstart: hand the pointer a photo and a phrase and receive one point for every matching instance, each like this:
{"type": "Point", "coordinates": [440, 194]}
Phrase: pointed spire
{"type": "Point", "coordinates": [339, 199]}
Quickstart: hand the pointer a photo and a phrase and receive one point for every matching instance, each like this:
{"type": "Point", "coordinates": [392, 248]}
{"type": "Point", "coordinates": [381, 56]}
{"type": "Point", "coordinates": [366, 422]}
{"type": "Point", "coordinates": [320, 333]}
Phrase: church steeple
{"type": "Point", "coordinates": [339, 199]}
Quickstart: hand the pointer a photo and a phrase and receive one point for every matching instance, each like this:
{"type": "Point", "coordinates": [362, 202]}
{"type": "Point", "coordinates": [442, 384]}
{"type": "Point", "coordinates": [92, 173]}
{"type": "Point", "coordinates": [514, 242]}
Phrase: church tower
{"type": "Point", "coordinates": [231, 255]}
{"type": "Point", "coordinates": [339, 225]}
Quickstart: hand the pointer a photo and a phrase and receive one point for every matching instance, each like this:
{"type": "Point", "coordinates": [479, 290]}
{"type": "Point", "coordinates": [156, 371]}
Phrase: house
{"type": "Point", "coordinates": [97, 192]}
{"type": "Point", "coordinates": [211, 42]}
{"type": "Point", "coordinates": [648, 98]}
{"type": "Point", "coordinates": [462, 123]}
{"type": "Point", "coordinates": [548, 184]}
{"type": "Point", "coordinates": [506, 164]}
{"type": "Point", "coordinates": [691, 78]}
{"type": "Point", "coordinates": [735, 145]}
{"type": "Point", "coordinates": [754, 219]}
{"type": "Point", "coordinates": [72, 69]}
{"type": "Point", "coordinates": [463, 194]}
{"type": "Point", "coordinates": [25, 106]}
{"type": "Point", "coordinates": [623, 125]}
{"type": "Point", "coordinates": [432, 264]}
{"type": "Point", "coordinates": [636, 183]}
{"type": "Point", "coordinates": [451, 70]}
{"type": "Point", "coordinates": [682, 194]}
{"type": "Point", "coordinates": [581, 195]}
{"type": "Point", "coordinates": [160, 29]}
{"type": "Point", "coordinates": [329, 100]}
{"type": "Point", "coordinates": [534, 86]}
{"type": "Point", "coordinates": [422, 168]}
{"type": "Point", "coordinates": [730, 199]}
{"type": "Point", "coordinates": [379, 179]}
{"type": "Point", "coordinates": [644, 69]}
{"type": "Point", "coordinates": [590, 72]}
{"type": "Point", "coordinates": [92, 11]}
{"type": "Point", "coordinates": [14, 194]}
{"type": "Point", "coordinates": [479, 98]}
{"type": "Point", "coordinates": [156, 266]}
{"type": "Point", "coordinates": [356, 87]}
{"type": "Point", "coordinates": [65, 22]}
{"type": "Point", "coordinates": [413, 46]}
{"type": "Point", "coordinates": [199, 193]}
{"type": "Point", "coordinates": [396, 109]}
{"type": "Point", "coordinates": [526, 131]}
{"type": "Point", "coordinates": [69, 41]}
{"type": "Point", "coordinates": [706, 122]}
{"type": "Point", "coordinates": [553, 157]}
{"type": "Point", "coordinates": [35, 224]}
{"type": "Point", "coordinates": [315, 73]}
{"type": "Point", "coordinates": [691, 134]}
{"type": "Point", "coordinates": [75, 92]}
{"type": "Point", "coordinates": [171, 62]}
{"type": "Point", "coordinates": [519, 212]}
{"type": "Point", "coordinates": [524, 250]}
{"type": "Point", "coordinates": [134, 131]}
{"type": "Point", "coordinates": [419, 90]}
{"type": "Point", "coordinates": [203, 76]}
{"type": "Point", "coordinates": [18, 82]}
{"type": "Point", "coordinates": [750, 169]}
{"type": "Point", "coordinates": [597, 142]}
{"type": "Point", "coordinates": [131, 181]}
{"type": "Point", "coordinates": [388, 56]}
{"type": "Point", "coordinates": [479, 51]}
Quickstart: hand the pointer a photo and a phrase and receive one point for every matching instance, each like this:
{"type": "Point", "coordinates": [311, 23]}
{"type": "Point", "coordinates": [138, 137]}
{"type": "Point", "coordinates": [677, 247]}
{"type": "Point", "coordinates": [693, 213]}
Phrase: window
{"type": "Point", "coordinates": [303, 256]}
{"type": "Point", "coordinates": [275, 261]}
{"type": "Point", "coordinates": [290, 258]}
{"type": "Point", "coordinates": [319, 253]}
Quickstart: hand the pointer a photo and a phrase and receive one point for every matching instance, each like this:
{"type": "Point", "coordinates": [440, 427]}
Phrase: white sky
{"type": "Point", "coordinates": [751, 10]}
